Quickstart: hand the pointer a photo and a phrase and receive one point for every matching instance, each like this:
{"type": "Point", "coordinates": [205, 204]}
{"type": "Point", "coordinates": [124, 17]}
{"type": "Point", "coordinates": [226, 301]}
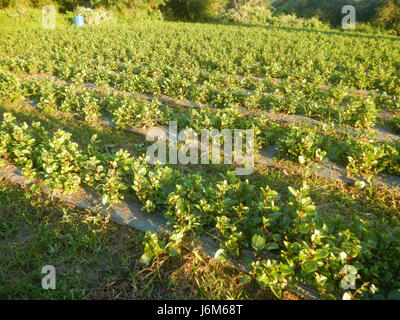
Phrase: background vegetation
{"type": "Point", "coordinates": [383, 14]}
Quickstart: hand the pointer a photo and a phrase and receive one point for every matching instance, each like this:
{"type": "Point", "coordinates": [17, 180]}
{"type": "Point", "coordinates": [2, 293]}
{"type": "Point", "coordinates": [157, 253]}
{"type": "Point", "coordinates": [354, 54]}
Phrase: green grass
{"type": "Point", "coordinates": [96, 258]}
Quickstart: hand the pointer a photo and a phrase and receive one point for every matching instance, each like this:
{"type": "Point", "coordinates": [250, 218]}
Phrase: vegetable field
{"type": "Point", "coordinates": [73, 102]}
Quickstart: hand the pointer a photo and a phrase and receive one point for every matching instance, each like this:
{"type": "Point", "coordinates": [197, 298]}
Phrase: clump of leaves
{"type": "Point", "coordinates": [300, 146]}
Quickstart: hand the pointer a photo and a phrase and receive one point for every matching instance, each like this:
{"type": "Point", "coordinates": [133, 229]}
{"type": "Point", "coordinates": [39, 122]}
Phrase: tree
{"type": "Point", "coordinates": [327, 10]}
{"type": "Point", "coordinates": [196, 9]}
{"type": "Point", "coordinates": [388, 14]}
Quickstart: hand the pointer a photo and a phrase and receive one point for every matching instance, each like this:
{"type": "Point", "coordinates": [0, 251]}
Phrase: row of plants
{"type": "Point", "coordinates": [309, 248]}
{"type": "Point", "coordinates": [332, 105]}
{"type": "Point", "coordinates": [360, 154]}
{"type": "Point", "coordinates": [95, 68]}
{"type": "Point", "coordinates": [123, 110]}
{"type": "Point", "coordinates": [87, 105]}
{"type": "Point", "coordinates": [333, 59]}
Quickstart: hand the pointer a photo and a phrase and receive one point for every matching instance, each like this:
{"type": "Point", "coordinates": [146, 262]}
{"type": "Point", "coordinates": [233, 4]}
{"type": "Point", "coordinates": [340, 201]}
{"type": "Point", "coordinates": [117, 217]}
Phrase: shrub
{"type": "Point", "coordinates": [259, 12]}
{"type": "Point", "coordinates": [4, 3]}
{"type": "Point", "coordinates": [388, 15]}
{"type": "Point", "coordinates": [94, 16]}
{"type": "Point", "coordinates": [252, 12]}
{"type": "Point", "coordinates": [195, 10]}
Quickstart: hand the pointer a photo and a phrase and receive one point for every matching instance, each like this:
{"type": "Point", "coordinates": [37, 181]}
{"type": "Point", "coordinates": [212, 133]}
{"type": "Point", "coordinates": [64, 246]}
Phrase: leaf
{"type": "Point", "coordinates": [302, 160]}
{"type": "Point", "coordinates": [328, 296]}
{"type": "Point", "coordinates": [285, 269]}
{"type": "Point", "coordinates": [272, 246]}
{"type": "Point", "coordinates": [173, 251]}
{"type": "Point", "coordinates": [293, 191]}
{"type": "Point", "coordinates": [220, 255]}
{"type": "Point", "coordinates": [146, 258]}
{"type": "Point", "coordinates": [321, 254]}
{"type": "Point", "coordinates": [276, 290]}
{"type": "Point", "coordinates": [198, 256]}
{"type": "Point", "coordinates": [245, 279]}
{"type": "Point", "coordinates": [360, 184]}
{"type": "Point", "coordinates": [309, 266]}
{"type": "Point", "coordinates": [321, 279]}
{"type": "Point", "coordinates": [176, 237]}
{"type": "Point", "coordinates": [105, 199]}
{"type": "Point", "coordinates": [258, 242]}
{"type": "Point", "coordinates": [394, 294]}
{"type": "Point", "coordinates": [35, 187]}
{"type": "Point", "coordinates": [346, 296]}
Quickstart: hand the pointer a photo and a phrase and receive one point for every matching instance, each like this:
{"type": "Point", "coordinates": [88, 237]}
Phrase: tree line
{"type": "Point", "coordinates": [381, 13]}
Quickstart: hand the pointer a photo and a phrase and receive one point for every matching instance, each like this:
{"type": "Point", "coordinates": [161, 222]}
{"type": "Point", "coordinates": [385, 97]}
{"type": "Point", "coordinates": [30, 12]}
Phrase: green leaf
{"type": "Point", "coordinates": [285, 269]}
{"type": "Point", "coordinates": [245, 279]}
{"type": "Point", "coordinates": [293, 191]}
{"type": "Point", "coordinates": [309, 266]}
{"type": "Point", "coordinates": [146, 258]}
{"type": "Point", "coordinates": [321, 279]}
{"type": "Point", "coordinates": [220, 255]}
{"type": "Point", "coordinates": [173, 251]}
{"type": "Point", "coordinates": [272, 246]}
{"type": "Point", "coordinates": [198, 256]}
{"type": "Point", "coordinates": [328, 296]}
{"type": "Point", "coordinates": [321, 254]}
{"type": "Point", "coordinates": [258, 242]}
{"type": "Point", "coordinates": [276, 290]}
{"type": "Point", "coordinates": [394, 294]}
{"type": "Point", "coordinates": [35, 187]}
